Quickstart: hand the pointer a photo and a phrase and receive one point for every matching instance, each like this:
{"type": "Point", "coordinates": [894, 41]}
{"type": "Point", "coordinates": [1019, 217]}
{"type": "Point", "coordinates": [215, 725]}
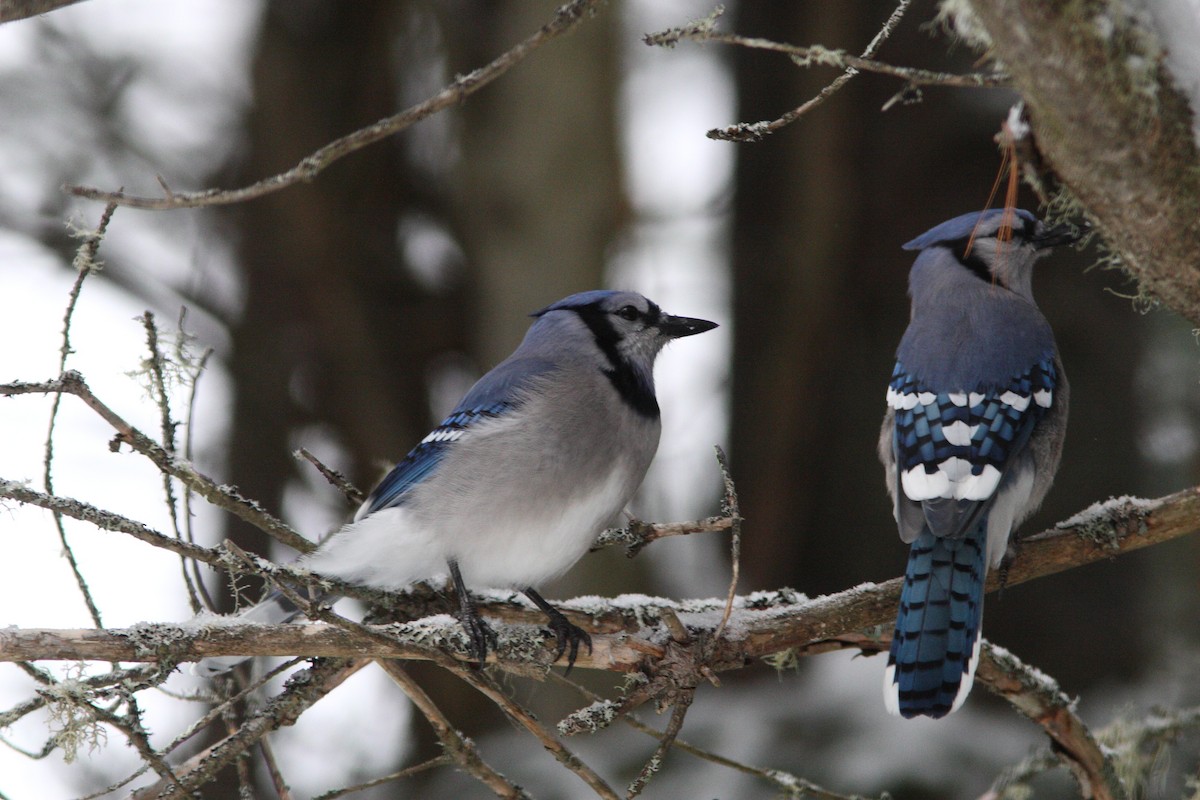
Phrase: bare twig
{"type": "Point", "coordinates": [459, 749]}
{"type": "Point", "coordinates": [162, 399]}
{"type": "Point", "coordinates": [225, 497]}
{"type": "Point", "coordinates": [282, 789]}
{"type": "Point", "coordinates": [440, 761]}
{"type": "Point", "coordinates": [106, 520]}
{"type": "Point", "coordinates": [527, 721]}
{"type": "Point", "coordinates": [730, 509]}
{"type": "Point", "coordinates": [335, 478]}
{"type": "Point", "coordinates": [637, 534]}
{"type": "Point", "coordinates": [705, 31]}
{"type": "Point", "coordinates": [193, 385]}
{"type": "Point", "coordinates": [565, 19]}
{"type": "Point", "coordinates": [791, 785]}
{"type": "Point", "coordinates": [130, 724]}
{"type": "Point", "coordinates": [84, 263]}
{"type": "Point", "coordinates": [652, 766]}
{"type": "Point", "coordinates": [301, 691]}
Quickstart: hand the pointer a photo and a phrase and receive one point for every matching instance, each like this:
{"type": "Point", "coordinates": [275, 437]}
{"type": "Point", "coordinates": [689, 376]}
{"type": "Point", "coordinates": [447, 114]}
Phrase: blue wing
{"type": "Point", "coordinates": [423, 458]}
{"type": "Point", "coordinates": [497, 393]}
{"type": "Point", "coordinates": [953, 448]}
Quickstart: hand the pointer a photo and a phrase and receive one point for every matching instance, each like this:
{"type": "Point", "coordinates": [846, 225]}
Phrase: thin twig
{"type": "Point", "coordinates": [281, 786]}
{"type": "Point", "coordinates": [335, 478]}
{"type": "Point", "coordinates": [566, 17]}
{"type": "Point", "coordinates": [816, 54]}
{"type": "Point", "coordinates": [224, 497]}
{"type": "Point", "coordinates": [459, 748]}
{"type": "Point", "coordinates": [131, 725]}
{"type": "Point", "coordinates": [705, 31]}
{"type": "Point", "coordinates": [439, 761]}
{"type": "Point", "coordinates": [107, 520]}
{"type": "Point", "coordinates": [731, 509]}
{"type": "Point", "coordinates": [665, 742]}
{"type": "Point", "coordinates": [791, 785]}
{"type": "Point", "coordinates": [84, 263]}
{"type": "Point", "coordinates": [756, 132]}
{"type": "Point", "coordinates": [526, 720]}
{"type": "Point", "coordinates": [637, 534]}
{"type": "Point", "coordinates": [197, 580]}
{"type": "Point", "coordinates": [301, 691]}
{"type": "Point", "coordinates": [167, 425]}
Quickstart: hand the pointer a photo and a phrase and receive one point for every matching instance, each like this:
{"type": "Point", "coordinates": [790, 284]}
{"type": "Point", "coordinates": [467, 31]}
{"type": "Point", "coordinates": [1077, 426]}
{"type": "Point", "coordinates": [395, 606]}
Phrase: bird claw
{"type": "Point", "coordinates": [479, 635]}
{"type": "Point", "coordinates": [567, 634]}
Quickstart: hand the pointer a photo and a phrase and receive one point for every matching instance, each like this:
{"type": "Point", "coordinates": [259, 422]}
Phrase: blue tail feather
{"type": "Point", "coordinates": [931, 663]}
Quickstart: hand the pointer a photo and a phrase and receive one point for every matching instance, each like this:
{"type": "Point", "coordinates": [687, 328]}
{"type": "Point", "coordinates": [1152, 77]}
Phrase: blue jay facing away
{"type": "Point", "coordinates": [977, 411]}
{"type": "Point", "coordinates": [513, 486]}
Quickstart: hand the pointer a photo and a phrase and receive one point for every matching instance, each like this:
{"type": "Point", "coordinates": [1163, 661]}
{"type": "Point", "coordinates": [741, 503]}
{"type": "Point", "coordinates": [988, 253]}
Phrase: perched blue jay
{"type": "Point", "coordinates": [977, 411]}
{"type": "Point", "coordinates": [513, 486]}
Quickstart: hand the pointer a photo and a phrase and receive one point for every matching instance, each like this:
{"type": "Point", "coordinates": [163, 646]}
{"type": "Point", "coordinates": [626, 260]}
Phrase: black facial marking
{"type": "Point", "coordinates": [972, 261]}
{"type": "Point", "coordinates": [624, 378]}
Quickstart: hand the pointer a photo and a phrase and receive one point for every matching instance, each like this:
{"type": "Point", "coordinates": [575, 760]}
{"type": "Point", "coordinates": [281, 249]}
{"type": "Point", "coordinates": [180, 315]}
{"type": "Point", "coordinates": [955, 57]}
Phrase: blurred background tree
{"type": "Point", "coordinates": [350, 312]}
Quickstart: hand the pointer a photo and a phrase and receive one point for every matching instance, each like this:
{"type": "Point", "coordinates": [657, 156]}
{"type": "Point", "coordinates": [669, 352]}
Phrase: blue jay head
{"type": "Point", "coordinates": [998, 245]}
{"type": "Point", "coordinates": [626, 324]}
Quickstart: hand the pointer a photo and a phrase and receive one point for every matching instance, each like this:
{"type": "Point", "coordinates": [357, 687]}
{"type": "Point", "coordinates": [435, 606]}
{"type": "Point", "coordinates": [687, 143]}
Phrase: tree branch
{"type": "Point", "coordinates": [13, 10]}
{"type": "Point", "coordinates": [302, 690]}
{"type": "Point", "coordinates": [1092, 67]}
{"type": "Point", "coordinates": [225, 497]}
{"type": "Point", "coordinates": [566, 18]}
{"type": "Point", "coordinates": [629, 633]}
{"type": "Point", "coordinates": [704, 30]}
{"type": "Point", "coordinates": [1039, 698]}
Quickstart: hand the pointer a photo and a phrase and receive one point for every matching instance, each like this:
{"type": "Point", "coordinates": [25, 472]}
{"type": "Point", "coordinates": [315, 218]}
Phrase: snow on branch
{"type": "Point", "coordinates": [630, 632]}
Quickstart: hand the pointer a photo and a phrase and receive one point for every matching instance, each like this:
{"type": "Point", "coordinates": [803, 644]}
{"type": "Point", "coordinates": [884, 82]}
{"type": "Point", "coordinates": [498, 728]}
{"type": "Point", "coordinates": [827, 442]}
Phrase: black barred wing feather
{"type": "Point", "coordinates": [952, 448]}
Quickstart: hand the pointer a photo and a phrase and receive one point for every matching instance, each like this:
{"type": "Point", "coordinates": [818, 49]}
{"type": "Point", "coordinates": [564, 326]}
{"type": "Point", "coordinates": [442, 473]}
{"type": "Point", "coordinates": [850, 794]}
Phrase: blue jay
{"type": "Point", "coordinates": [977, 411]}
{"type": "Point", "coordinates": [513, 486]}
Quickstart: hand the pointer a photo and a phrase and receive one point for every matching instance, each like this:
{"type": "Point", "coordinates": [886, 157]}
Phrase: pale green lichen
{"type": "Point", "coordinates": [589, 719]}
{"type": "Point", "coordinates": [72, 723]}
{"type": "Point", "coordinates": [783, 661]}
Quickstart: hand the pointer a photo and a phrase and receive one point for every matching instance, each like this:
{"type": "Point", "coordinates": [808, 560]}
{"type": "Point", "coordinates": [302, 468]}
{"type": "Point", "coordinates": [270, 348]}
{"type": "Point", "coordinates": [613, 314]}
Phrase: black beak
{"type": "Point", "coordinates": [676, 327]}
{"type": "Point", "coordinates": [1058, 235]}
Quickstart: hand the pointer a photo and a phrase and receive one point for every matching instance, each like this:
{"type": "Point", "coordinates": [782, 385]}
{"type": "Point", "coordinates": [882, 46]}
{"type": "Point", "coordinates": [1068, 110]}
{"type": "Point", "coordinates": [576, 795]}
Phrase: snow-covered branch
{"type": "Point", "coordinates": [629, 632]}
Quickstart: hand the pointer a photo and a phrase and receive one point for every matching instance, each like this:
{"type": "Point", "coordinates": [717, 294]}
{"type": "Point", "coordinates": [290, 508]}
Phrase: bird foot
{"type": "Point", "coordinates": [479, 634]}
{"type": "Point", "coordinates": [566, 633]}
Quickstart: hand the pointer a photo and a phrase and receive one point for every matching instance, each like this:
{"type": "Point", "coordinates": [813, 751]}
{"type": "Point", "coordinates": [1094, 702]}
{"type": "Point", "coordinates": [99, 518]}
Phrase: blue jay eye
{"type": "Point", "coordinates": [628, 313]}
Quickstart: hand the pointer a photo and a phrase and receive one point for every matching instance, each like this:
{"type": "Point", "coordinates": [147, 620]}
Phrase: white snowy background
{"type": "Point", "coordinates": [192, 82]}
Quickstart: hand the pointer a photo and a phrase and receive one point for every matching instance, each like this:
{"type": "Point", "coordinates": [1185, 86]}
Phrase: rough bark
{"type": "Point", "coordinates": [1114, 129]}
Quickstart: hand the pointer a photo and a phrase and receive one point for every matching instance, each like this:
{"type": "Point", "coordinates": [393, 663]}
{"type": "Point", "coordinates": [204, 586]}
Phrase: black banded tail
{"type": "Point", "coordinates": [935, 647]}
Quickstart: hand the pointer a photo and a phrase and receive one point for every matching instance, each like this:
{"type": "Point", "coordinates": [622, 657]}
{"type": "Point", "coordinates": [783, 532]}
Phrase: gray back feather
{"type": "Point", "coordinates": [966, 333]}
